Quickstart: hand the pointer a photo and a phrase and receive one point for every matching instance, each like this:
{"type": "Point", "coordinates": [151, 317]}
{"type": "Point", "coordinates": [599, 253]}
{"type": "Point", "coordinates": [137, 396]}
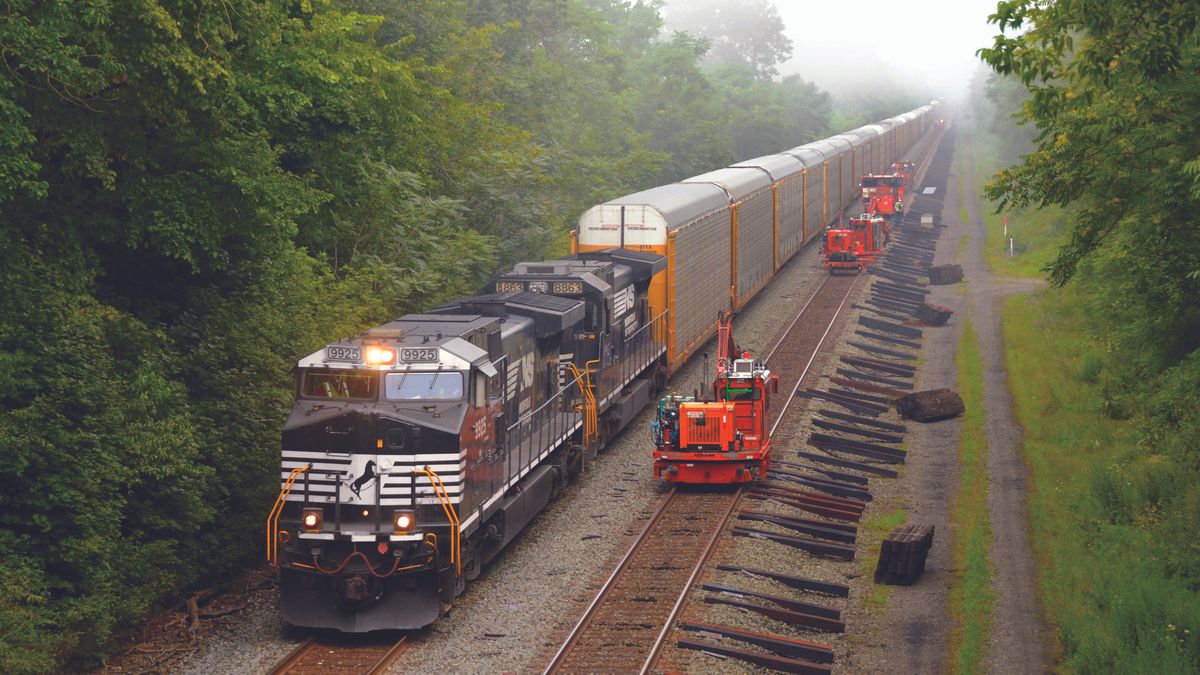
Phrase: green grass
{"type": "Point", "coordinates": [964, 216]}
{"type": "Point", "coordinates": [1116, 603]}
{"type": "Point", "coordinates": [1037, 233]}
{"type": "Point", "coordinates": [971, 595]}
{"type": "Point", "coordinates": [874, 530]}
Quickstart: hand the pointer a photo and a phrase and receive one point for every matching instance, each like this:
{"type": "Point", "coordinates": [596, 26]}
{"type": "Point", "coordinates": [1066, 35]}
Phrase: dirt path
{"type": "Point", "coordinates": [1018, 626]}
{"type": "Point", "coordinates": [912, 634]}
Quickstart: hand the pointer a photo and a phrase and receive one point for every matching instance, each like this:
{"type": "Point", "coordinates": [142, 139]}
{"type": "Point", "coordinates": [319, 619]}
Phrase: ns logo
{"type": "Point", "coordinates": [361, 480]}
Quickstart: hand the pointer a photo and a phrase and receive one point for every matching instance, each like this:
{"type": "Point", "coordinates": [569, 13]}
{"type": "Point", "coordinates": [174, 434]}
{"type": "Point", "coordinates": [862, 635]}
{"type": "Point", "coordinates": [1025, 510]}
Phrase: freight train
{"type": "Point", "coordinates": [417, 450]}
{"type": "Point", "coordinates": [727, 232]}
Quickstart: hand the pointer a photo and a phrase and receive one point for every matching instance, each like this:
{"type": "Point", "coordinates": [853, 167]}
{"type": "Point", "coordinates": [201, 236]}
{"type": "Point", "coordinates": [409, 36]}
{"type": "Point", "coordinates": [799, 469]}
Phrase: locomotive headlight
{"type": "Point", "coordinates": [311, 519]}
{"type": "Point", "coordinates": [403, 521]}
{"type": "Point", "coordinates": [378, 356]}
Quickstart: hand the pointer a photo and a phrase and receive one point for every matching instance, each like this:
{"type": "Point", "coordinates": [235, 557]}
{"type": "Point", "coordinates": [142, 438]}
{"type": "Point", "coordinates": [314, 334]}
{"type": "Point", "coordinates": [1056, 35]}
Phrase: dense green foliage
{"type": "Point", "coordinates": [195, 193]}
{"type": "Point", "coordinates": [1114, 93]}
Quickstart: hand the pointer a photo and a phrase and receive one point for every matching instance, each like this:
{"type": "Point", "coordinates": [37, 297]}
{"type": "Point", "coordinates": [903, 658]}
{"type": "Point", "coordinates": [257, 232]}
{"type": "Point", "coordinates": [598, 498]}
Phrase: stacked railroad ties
{"type": "Point", "coordinates": [819, 495]}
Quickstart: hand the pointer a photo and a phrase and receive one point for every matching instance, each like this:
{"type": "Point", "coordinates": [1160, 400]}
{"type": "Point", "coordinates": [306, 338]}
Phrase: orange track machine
{"type": "Point", "coordinates": [724, 439]}
{"type": "Point", "coordinates": [853, 247]}
{"type": "Point", "coordinates": [884, 194]}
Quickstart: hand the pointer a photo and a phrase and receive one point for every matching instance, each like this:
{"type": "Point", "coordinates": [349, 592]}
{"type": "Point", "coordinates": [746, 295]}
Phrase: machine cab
{"type": "Point", "coordinates": [747, 385]}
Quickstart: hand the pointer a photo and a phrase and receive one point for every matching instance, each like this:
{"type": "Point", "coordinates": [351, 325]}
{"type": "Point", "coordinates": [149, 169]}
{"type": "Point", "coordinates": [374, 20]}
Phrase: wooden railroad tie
{"type": "Point", "coordinates": [933, 315]}
{"type": "Point", "coordinates": [930, 405]}
{"type": "Point", "coordinates": [945, 274]}
{"type": "Point", "coordinates": [902, 555]}
{"type": "Point", "coordinates": [774, 662]}
{"type": "Point", "coordinates": [799, 583]}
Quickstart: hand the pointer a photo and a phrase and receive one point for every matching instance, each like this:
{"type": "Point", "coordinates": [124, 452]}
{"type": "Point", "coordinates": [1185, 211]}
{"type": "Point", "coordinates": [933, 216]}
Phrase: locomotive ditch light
{"type": "Point", "coordinates": [380, 356]}
{"type": "Point", "coordinates": [311, 519]}
{"type": "Point", "coordinates": [403, 521]}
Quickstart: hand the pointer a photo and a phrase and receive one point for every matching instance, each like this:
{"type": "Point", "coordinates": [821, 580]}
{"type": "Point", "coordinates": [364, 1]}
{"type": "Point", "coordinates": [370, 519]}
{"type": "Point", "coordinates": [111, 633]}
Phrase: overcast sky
{"type": "Point", "coordinates": [929, 42]}
{"type": "Point", "coordinates": [842, 44]}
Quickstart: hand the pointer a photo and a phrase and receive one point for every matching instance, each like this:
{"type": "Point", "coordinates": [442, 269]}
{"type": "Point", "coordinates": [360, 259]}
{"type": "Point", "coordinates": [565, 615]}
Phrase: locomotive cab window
{"type": "Point", "coordinates": [332, 384]}
{"type": "Point", "coordinates": [423, 386]}
{"type": "Point", "coordinates": [479, 390]}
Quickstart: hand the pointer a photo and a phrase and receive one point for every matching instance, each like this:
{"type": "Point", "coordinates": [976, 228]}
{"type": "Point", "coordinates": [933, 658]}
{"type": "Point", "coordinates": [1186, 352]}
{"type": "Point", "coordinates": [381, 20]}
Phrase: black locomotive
{"type": "Point", "coordinates": [418, 449]}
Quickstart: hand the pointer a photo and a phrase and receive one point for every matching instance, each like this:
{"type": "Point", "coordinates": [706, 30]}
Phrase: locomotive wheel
{"type": "Point", "coordinates": [452, 586]}
{"type": "Point", "coordinates": [658, 380]}
{"type": "Point", "coordinates": [471, 566]}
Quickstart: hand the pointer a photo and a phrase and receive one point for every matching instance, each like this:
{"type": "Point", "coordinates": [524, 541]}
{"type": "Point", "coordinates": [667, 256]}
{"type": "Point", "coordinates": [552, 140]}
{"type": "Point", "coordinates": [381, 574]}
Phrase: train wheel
{"type": "Point", "coordinates": [471, 566]}
{"type": "Point", "coordinates": [452, 586]}
{"type": "Point", "coordinates": [658, 380]}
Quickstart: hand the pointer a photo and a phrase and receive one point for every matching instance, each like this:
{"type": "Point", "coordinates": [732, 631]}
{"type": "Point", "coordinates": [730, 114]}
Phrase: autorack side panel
{"type": "Point", "coordinates": [752, 222]}
{"type": "Point", "coordinates": [869, 144]}
{"type": "Point", "coordinates": [883, 145]}
{"type": "Point", "coordinates": [813, 193]}
{"type": "Point", "coordinates": [755, 244]}
{"type": "Point", "coordinates": [699, 277]}
{"type": "Point", "coordinates": [844, 187]}
{"type": "Point", "coordinates": [788, 174]}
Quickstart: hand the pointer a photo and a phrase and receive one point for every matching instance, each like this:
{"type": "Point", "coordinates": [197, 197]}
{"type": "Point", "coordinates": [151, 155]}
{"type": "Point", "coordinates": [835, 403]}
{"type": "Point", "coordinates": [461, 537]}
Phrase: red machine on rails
{"type": "Point", "coordinates": [725, 440]}
{"type": "Point", "coordinates": [853, 247]}
{"type": "Point", "coordinates": [884, 194]}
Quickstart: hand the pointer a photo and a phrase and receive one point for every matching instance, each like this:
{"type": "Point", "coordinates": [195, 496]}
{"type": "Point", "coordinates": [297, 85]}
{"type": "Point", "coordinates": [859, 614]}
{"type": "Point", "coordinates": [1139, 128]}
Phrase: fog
{"type": "Point", "coordinates": [924, 46]}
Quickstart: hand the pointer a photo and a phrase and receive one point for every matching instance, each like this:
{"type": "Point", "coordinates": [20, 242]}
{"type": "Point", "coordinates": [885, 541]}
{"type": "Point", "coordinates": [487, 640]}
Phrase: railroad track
{"type": "Point", "coordinates": [794, 353]}
{"type": "Point", "coordinates": [351, 655]}
{"type": "Point", "coordinates": [627, 623]}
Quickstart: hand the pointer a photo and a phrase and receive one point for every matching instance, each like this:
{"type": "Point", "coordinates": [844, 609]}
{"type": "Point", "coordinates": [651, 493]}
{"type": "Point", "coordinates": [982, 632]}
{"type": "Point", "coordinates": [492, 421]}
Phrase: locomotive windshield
{"type": "Point", "coordinates": [424, 386]}
{"type": "Point", "coordinates": [327, 384]}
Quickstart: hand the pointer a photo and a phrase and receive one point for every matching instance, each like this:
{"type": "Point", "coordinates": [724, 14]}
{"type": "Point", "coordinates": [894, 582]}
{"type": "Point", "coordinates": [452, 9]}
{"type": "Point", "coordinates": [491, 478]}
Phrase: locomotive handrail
{"type": "Point", "coordinates": [589, 402]}
{"type": "Point", "coordinates": [277, 510]}
{"type": "Point", "coordinates": [451, 515]}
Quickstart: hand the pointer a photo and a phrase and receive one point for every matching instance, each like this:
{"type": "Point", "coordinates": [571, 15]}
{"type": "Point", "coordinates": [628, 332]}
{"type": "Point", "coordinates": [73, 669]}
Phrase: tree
{"type": "Point", "coordinates": [1108, 81]}
{"type": "Point", "coordinates": [739, 31]}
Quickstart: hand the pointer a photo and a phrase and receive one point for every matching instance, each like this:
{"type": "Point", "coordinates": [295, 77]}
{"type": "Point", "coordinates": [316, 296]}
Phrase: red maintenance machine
{"type": "Point", "coordinates": [853, 247]}
{"type": "Point", "coordinates": [723, 440]}
{"type": "Point", "coordinates": [884, 194]}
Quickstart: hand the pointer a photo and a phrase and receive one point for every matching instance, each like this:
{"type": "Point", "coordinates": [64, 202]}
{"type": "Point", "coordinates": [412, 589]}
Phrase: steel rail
{"type": "Point", "coordinates": [708, 551]}
{"type": "Point", "coordinates": [390, 657]}
{"type": "Point", "coordinates": [813, 357]}
{"type": "Point", "coordinates": [294, 660]}
{"type": "Point", "coordinates": [589, 612]}
{"type": "Point", "coordinates": [788, 331]}
{"type": "Point", "coordinates": [294, 656]}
